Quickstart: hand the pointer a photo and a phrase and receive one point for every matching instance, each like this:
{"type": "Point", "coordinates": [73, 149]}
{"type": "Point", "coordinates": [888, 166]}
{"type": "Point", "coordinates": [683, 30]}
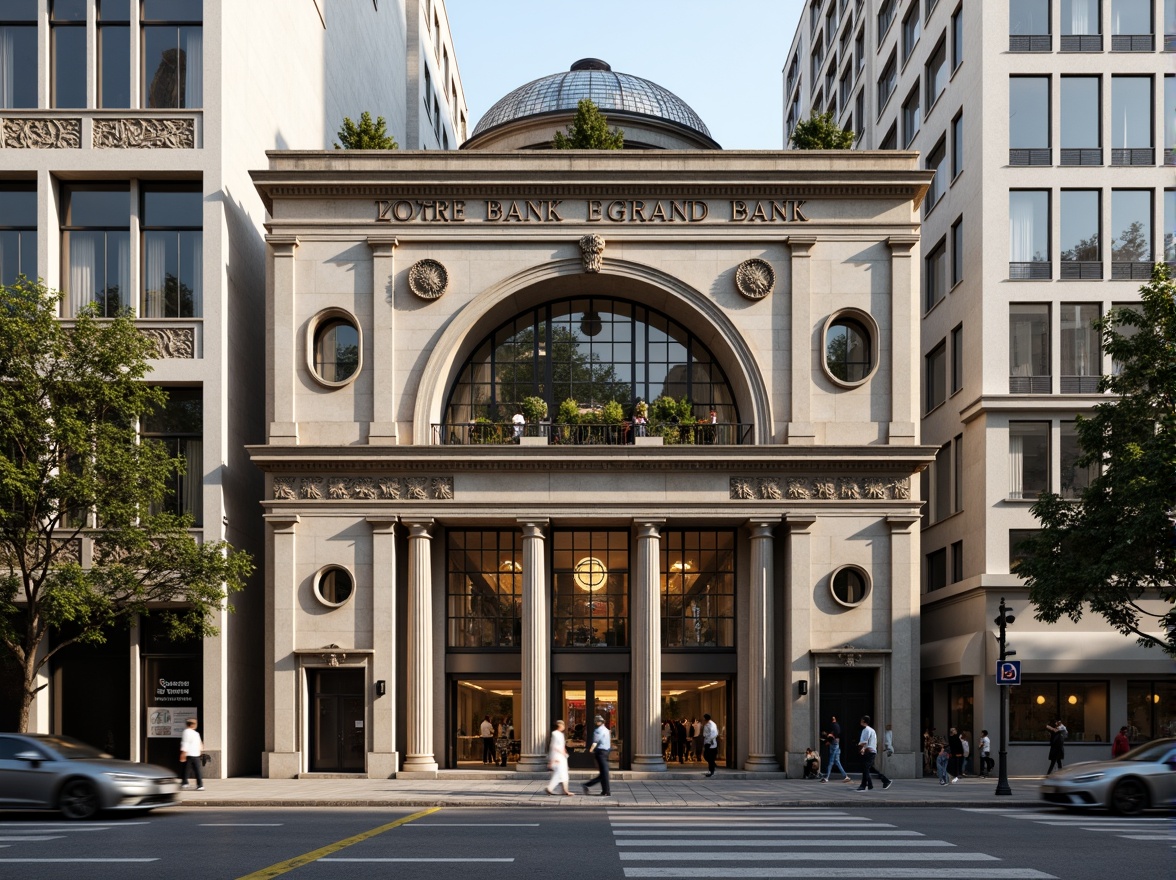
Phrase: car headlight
{"type": "Point", "coordinates": [126, 778]}
{"type": "Point", "coordinates": [1088, 777]}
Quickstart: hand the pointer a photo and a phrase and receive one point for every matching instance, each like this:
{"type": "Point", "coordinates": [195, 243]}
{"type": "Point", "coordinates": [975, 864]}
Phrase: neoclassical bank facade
{"type": "Point", "coordinates": [440, 550]}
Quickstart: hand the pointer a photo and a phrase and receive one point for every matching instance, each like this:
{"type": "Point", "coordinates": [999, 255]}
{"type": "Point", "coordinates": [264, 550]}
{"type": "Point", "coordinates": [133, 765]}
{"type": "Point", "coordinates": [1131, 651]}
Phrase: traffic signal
{"type": "Point", "coordinates": [1004, 620]}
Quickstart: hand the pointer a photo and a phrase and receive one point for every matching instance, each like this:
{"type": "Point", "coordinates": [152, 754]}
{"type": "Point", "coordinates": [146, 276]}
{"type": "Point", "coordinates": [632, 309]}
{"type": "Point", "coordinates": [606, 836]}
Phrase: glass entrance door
{"type": "Point", "coordinates": [580, 702]}
{"type": "Point", "coordinates": [337, 735]}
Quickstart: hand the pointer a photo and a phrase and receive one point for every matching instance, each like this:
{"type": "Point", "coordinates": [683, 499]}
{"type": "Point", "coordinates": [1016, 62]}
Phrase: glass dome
{"type": "Point", "coordinates": [594, 79]}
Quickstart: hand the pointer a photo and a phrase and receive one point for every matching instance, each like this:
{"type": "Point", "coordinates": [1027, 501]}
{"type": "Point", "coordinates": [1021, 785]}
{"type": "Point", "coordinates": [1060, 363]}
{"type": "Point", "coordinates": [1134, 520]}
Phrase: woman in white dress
{"type": "Point", "coordinates": [557, 760]}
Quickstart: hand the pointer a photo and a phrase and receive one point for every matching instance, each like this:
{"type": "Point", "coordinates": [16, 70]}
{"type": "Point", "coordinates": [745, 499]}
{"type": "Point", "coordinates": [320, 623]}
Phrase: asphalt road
{"type": "Point", "coordinates": [569, 844]}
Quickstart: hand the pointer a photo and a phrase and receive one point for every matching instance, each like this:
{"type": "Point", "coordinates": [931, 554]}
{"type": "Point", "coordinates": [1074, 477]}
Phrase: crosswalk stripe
{"type": "Point", "coordinates": [75, 861]}
{"type": "Point", "coordinates": [782, 842]}
{"type": "Point", "coordinates": [1171, 837]}
{"type": "Point", "coordinates": [829, 873]}
{"type": "Point", "coordinates": [678, 856]}
{"type": "Point", "coordinates": [24, 838]}
{"type": "Point", "coordinates": [832, 833]}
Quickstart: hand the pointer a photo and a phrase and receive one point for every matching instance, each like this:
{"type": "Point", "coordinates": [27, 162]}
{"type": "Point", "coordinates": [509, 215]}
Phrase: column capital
{"type": "Point", "coordinates": [801, 244]}
{"type": "Point", "coordinates": [283, 245]}
{"type": "Point", "coordinates": [762, 528]}
{"type": "Point", "coordinates": [382, 245]}
{"type": "Point", "coordinates": [534, 528]}
{"type": "Point", "coordinates": [902, 245]}
{"type": "Point", "coordinates": [419, 528]}
{"type": "Point", "coordinates": [382, 522]}
{"type": "Point", "coordinates": [902, 522]}
{"type": "Point", "coordinates": [649, 528]}
{"type": "Point", "coordinates": [799, 522]}
{"type": "Point", "coordinates": [283, 522]}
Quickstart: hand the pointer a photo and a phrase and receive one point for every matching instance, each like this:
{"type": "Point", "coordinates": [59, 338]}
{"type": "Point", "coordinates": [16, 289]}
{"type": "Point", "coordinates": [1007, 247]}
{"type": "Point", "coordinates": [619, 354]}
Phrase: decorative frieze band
{"type": "Point", "coordinates": [175, 134]}
{"type": "Point", "coordinates": [363, 488]}
{"type": "Point", "coordinates": [172, 342]}
{"type": "Point", "coordinates": [42, 133]}
{"type": "Point", "coordinates": [820, 488]}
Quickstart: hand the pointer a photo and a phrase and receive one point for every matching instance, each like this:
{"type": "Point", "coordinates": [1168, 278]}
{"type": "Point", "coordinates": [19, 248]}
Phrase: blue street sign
{"type": "Point", "coordinates": [1008, 672]}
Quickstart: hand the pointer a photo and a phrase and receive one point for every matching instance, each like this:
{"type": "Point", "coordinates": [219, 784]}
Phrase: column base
{"type": "Point", "coordinates": [281, 765]}
{"type": "Point", "coordinates": [649, 763]}
{"type": "Point", "coordinates": [420, 764]}
{"type": "Point", "coordinates": [762, 764]}
{"type": "Point", "coordinates": [382, 765]}
{"type": "Point", "coordinates": [531, 764]}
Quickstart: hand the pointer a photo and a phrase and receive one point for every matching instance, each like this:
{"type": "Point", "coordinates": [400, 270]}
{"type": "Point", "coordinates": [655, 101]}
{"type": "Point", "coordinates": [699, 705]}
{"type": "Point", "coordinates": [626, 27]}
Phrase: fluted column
{"type": "Point", "coordinates": [281, 345]}
{"type": "Point", "coordinates": [645, 626]}
{"type": "Point", "coordinates": [419, 711]}
{"type": "Point", "coordinates": [761, 709]}
{"type": "Point", "coordinates": [383, 759]}
{"type": "Point", "coordinates": [801, 431]}
{"type": "Point", "coordinates": [536, 646]}
{"type": "Point", "coordinates": [383, 347]}
{"type": "Point", "coordinates": [281, 758]}
{"type": "Point", "coordinates": [904, 337]}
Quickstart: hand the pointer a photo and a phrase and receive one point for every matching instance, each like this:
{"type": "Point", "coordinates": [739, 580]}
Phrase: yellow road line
{"type": "Point", "coordinates": [298, 861]}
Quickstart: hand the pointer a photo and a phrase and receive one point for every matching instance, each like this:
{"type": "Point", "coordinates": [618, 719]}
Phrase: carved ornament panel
{"type": "Point", "coordinates": [42, 134]}
{"type": "Point", "coordinates": [175, 134]}
{"type": "Point", "coordinates": [349, 488]}
{"type": "Point", "coordinates": [172, 342]}
{"type": "Point", "coordinates": [820, 488]}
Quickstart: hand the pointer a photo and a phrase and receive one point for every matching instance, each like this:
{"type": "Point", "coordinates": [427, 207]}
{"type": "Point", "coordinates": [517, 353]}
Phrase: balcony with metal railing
{"type": "Point", "coordinates": [488, 433]}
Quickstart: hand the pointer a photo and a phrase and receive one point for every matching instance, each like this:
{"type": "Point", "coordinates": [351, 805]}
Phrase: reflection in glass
{"type": "Point", "coordinates": [1131, 111]}
{"type": "Point", "coordinates": [1080, 348]}
{"type": "Point", "coordinates": [1029, 339]}
{"type": "Point", "coordinates": [1080, 117]}
{"type": "Point", "coordinates": [847, 350]}
{"type": "Point", "coordinates": [1151, 710]}
{"type": "Point", "coordinates": [1029, 17]}
{"type": "Point", "coordinates": [1131, 16]}
{"type": "Point", "coordinates": [18, 231]}
{"type": "Point", "coordinates": [1028, 112]}
{"type": "Point", "coordinates": [698, 589]}
{"type": "Point", "coordinates": [1169, 112]}
{"type": "Point", "coordinates": [1131, 224]}
{"type": "Point", "coordinates": [1170, 225]}
{"type": "Point", "coordinates": [1080, 17]}
{"type": "Point", "coordinates": [336, 350]}
{"type": "Point", "coordinates": [912, 116]}
{"type": "Point", "coordinates": [173, 65]}
{"type": "Point", "coordinates": [67, 21]}
{"type": "Point", "coordinates": [335, 586]}
{"type": "Point", "coordinates": [849, 586]}
{"type": "Point", "coordinates": [114, 53]}
{"type": "Point", "coordinates": [179, 425]}
{"type": "Point", "coordinates": [1080, 224]}
{"type": "Point", "coordinates": [1028, 459]}
{"type": "Point", "coordinates": [1028, 226]}
{"type": "Point", "coordinates": [1074, 478]}
{"type": "Point", "coordinates": [18, 55]}
{"type": "Point", "coordinates": [96, 248]}
{"type": "Point", "coordinates": [484, 589]}
{"type": "Point", "coordinates": [936, 71]}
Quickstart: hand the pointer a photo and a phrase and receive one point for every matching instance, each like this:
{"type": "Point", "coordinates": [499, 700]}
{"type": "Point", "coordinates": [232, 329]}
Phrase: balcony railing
{"type": "Point", "coordinates": [1082, 156]}
{"type": "Point", "coordinates": [625, 433]}
{"type": "Point", "coordinates": [1079, 384]}
{"type": "Point", "coordinates": [1030, 43]}
{"type": "Point", "coordinates": [1034, 156]}
{"type": "Point", "coordinates": [1135, 270]}
{"type": "Point", "coordinates": [1170, 42]}
{"type": "Point", "coordinates": [1170, 156]}
{"type": "Point", "coordinates": [1081, 270]}
{"type": "Point", "coordinates": [1133, 43]}
{"type": "Point", "coordinates": [1133, 156]}
{"type": "Point", "coordinates": [1082, 42]}
{"type": "Point", "coordinates": [1030, 384]}
{"type": "Point", "coordinates": [1035, 271]}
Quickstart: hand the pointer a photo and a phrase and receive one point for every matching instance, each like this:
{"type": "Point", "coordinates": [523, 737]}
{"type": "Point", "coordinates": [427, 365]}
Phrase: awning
{"type": "Point", "coordinates": [1083, 653]}
{"type": "Point", "coordinates": [952, 657]}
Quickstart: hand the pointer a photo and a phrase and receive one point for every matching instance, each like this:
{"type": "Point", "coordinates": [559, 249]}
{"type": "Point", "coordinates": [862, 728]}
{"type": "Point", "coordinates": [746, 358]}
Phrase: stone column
{"type": "Point", "coordinates": [645, 626]}
{"type": "Point", "coordinates": [419, 712]}
{"type": "Point", "coordinates": [382, 430]}
{"type": "Point", "coordinates": [798, 640]}
{"type": "Point", "coordinates": [536, 652]}
{"type": "Point", "coordinates": [761, 708]}
{"type": "Point", "coordinates": [903, 681]}
{"type": "Point", "coordinates": [281, 759]}
{"type": "Point", "coordinates": [281, 345]}
{"type": "Point", "coordinates": [383, 760]}
{"type": "Point", "coordinates": [801, 431]}
{"type": "Point", "coordinates": [904, 338]}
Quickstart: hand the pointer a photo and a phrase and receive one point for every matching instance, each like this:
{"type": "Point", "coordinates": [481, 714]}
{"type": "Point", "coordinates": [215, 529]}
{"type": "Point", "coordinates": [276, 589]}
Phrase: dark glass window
{"type": "Point", "coordinates": [1131, 225]}
{"type": "Point", "coordinates": [936, 74]}
{"type": "Point", "coordinates": [484, 589]}
{"type": "Point", "coordinates": [957, 145]}
{"type": "Point", "coordinates": [1080, 112]}
{"type": "Point", "coordinates": [698, 589]}
{"type": "Point", "coordinates": [173, 251]}
{"type": "Point", "coordinates": [1170, 225]}
{"type": "Point", "coordinates": [114, 53]}
{"type": "Point", "coordinates": [1074, 478]}
{"type": "Point", "coordinates": [1081, 353]}
{"type": "Point", "coordinates": [1029, 226]}
{"type": "Point", "coordinates": [936, 376]}
{"type": "Point", "coordinates": [18, 54]}
{"type": "Point", "coordinates": [912, 28]}
{"type": "Point", "coordinates": [590, 588]}
{"type": "Point", "coordinates": [957, 358]}
{"type": "Point", "coordinates": [957, 38]}
{"type": "Point", "coordinates": [887, 83]}
{"type": "Point", "coordinates": [96, 245]}
{"type": "Point", "coordinates": [937, 569]}
{"type": "Point", "coordinates": [1029, 346]}
{"type": "Point", "coordinates": [1083, 706]}
{"type": "Point", "coordinates": [336, 350]}
{"type": "Point", "coordinates": [1028, 459]}
{"type": "Point", "coordinates": [935, 275]}
{"type": "Point", "coordinates": [1151, 710]}
{"type": "Point", "coordinates": [957, 252]}
{"type": "Point", "coordinates": [18, 231]}
{"type": "Point", "coordinates": [957, 562]}
{"type": "Point", "coordinates": [179, 425]}
{"type": "Point", "coordinates": [1028, 112]}
{"type": "Point", "coordinates": [849, 586]}
{"type": "Point", "coordinates": [173, 53]}
{"type": "Point", "coordinates": [912, 116]}
{"type": "Point", "coordinates": [1131, 112]}
{"type": "Point", "coordinates": [937, 162]}
{"type": "Point", "coordinates": [1080, 225]}
{"type": "Point", "coordinates": [67, 33]}
{"type": "Point", "coordinates": [335, 586]}
{"type": "Point", "coordinates": [848, 353]}
{"type": "Point", "coordinates": [1017, 549]}
{"type": "Point", "coordinates": [1028, 17]}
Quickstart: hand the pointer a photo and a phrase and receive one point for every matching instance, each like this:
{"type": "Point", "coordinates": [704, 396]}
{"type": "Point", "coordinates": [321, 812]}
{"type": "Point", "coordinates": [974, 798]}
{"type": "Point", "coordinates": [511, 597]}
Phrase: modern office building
{"type": "Point", "coordinates": [468, 515]}
{"type": "Point", "coordinates": [127, 128]}
{"type": "Point", "coordinates": [1051, 131]}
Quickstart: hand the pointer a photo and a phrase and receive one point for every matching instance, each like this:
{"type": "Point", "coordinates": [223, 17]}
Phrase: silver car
{"type": "Point", "coordinates": [1144, 777]}
{"type": "Point", "coordinates": [39, 771]}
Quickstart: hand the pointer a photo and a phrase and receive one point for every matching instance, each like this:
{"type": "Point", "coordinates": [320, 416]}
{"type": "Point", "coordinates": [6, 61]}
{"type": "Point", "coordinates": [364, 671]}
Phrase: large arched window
{"type": "Point", "coordinates": [591, 350]}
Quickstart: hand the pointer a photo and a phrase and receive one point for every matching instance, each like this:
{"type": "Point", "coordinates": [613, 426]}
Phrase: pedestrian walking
{"type": "Point", "coordinates": [986, 762]}
{"type": "Point", "coordinates": [955, 754]}
{"type": "Point", "coordinates": [868, 746]}
{"type": "Point", "coordinates": [940, 763]}
{"type": "Point", "coordinates": [601, 744]}
{"type": "Point", "coordinates": [191, 748]}
{"type": "Point", "coordinates": [557, 760]}
{"type": "Point", "coordinates": [1121, 745]}
{"type": "Point", "coordinates": [487, 733]}
{"type": "Point", "coordinates": [1057, 745]}
{"type": "Point", "coordinates": [834, 742]}
{"type": "Point", "coordinates": [710, 743]}
{"type": "Point", "coordinates": [966, 761]}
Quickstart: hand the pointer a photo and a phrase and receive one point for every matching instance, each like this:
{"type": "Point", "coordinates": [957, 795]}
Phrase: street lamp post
{"type": "Point", "coordinates": [1002, 621]}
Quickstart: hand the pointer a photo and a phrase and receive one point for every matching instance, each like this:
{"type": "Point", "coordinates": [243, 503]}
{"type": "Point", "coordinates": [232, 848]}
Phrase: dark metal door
{"type": "Point", "coordinates": [848, 694]}
{"type": "Point", "coordinates": [338, 738]}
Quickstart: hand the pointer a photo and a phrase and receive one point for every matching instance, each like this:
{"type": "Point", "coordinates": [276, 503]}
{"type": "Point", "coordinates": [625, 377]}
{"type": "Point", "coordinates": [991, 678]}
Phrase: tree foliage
{"type": "Point", "coordinates": [821, 132]}
{"type": "Point", "coordinates": [367, 135]}
{"type": "Point", "coordinates": [72, 464]}
{"type": "Point", "coordinates": [589, 131]}
{"type": "Point", "coordinates": [1115, 546]}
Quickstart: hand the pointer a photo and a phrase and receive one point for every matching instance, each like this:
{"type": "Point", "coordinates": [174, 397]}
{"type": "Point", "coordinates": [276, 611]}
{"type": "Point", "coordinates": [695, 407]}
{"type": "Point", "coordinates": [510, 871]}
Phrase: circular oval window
{"type": "Point", "coordinates": [333, 586]}
{"type": "Point", "coordinates": [335, 348]}
{"type": "Point", "coordinates": [850, 586]}
{"type": "Point", "coordinates": [849, 348]}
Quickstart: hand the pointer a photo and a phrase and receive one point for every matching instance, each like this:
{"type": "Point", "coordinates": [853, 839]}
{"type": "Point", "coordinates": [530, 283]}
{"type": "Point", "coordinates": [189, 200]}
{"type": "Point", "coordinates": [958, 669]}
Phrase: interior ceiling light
{"type": "Point", "coordinates": [590, 324]}
{"type": "Point", "coordinates": [590, 574]}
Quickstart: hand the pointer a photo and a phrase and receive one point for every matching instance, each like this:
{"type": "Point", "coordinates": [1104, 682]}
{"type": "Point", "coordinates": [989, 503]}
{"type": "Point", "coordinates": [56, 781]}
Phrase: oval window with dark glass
{"type": "Point", "coordinates": [336, 350]}
{"type": "Point", "coordinates": [850, 586]}
{"type": "Point", "coordinates": [334, 586]}
{"type": "Point", "coordinates": [847, 350]}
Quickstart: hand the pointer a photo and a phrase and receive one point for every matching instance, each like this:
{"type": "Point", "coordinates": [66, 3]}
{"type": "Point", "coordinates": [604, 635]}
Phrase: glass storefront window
{"type": "Point", "coordinates": [179, 426]}
{"type": "Point", "coordinates": [496, 702]}
{"type": "Point", "coordinates": [590, 583]}
{"type": "Point", "coordinates": [684, 702]}
{"type": "Point", "coordinates": [484, 589]}
{"type": "Point", "coordinates": [1151, 710]}
{"type": "Point", "coordinates": [581, 702]}
{"type": "Point", "coordinates": [1082, 706]}
{"type": "Point", "coordinates": [698, 589]}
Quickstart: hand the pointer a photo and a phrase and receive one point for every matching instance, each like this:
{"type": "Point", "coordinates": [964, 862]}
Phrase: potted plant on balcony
{"type": "Point", "coordinates": [673, 420]}
{"type": "Point", "coordinates": [534, 410]}
{"type": "Point", "coordinates": [567, 418]}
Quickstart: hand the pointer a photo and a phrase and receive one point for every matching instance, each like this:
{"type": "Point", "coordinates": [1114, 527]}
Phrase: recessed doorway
{"type": "Point", "coordinates": [581, 700]}
{"type": "Point", "coordinates": [337, 735]}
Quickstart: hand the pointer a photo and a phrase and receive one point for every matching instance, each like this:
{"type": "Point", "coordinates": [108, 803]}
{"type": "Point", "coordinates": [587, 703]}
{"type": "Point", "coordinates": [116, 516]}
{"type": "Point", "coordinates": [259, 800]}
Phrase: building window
{"type": "Point", "coordinates": [912, 116]}
{"type": "Point", "coordinates": [937, 570]}
{"type": "Point", "coordinates": [957, 145]}
{"type": "Point", "coordinates": [1082, 705]}
{"type": "Point", "coordinates": [941, 484]}
{"type": "Point", "coordinates": [114, 53]}
{"type": "Point", "coordinates": [1029, 349]}
{"type": "Point", "coordinates": [859, 49]}
{"type": "Point", "coordinates": [1029, 26]}
{"type": "Point", "coordinates": [1131, 26]}
{"type": "Point", "coordinates": [957, 38]}
{"type": "Point", "coordinates": [1131, 121]}
{"type": "Point", "coordinates": [18, 54]}
{"type": "Point", "coordinates": [1131, 224]}
{"type": "Point", "coordinates": [1151, 710]}
{"type": "Point", "coordinates": [1081, 120]}
{"type": "Point", "coordinates": [179, 426]}
{"type": "Point", "coordinates": [1081, 218]}
{"type": "Point", "coordinates": [1081, 358]}
{"type": "Point", "coordinates": [1028, 459]}
{"type": "Point", "coordinates": [335, 343]}
{"type": "Point", "coordinates": [484, 588]}
{"type": "Point", "coordinates": [912, 27]}
{"type": "Point", "coordinates": [67, 36]}
{"type": "Point", "coordinates": [957, 252]}
{"type": "Point", "coordinates": [96, 247]}
{"type": "Point", "coordinates": [1029, 255]}
{"type": "Point", "coordinates": [1081, 31]}
{"type": "Point", "coordinates": [173, 53]}
{"type": "Point", "coordinates": [1169, 118]}
{"type": "Point", "coordinates": [886, 12]}
{"type": "Point", "coordinates": [935, 74]}
{"type": "Point", "coordinates": [935, 275]}
{"type": "Point", "coordinates": [890, 142]}
{"type": "Point", "coordinates": [1170, 25]}
{"type": "Point", "coordinates": [957, 495]}
{"type": "Point", "coordinates": [1029, 121]}
{"type": "Point", "coordinates": [957, 358]}
{"type": "Point", "coordinates": [1170, 225]}
{"type": "Point", "coordinates": [937, 162]}
{"type": "Point", "coordinates": [698, 589]}
{"type": "Point", "coordinates": [18, 231]}
{"type": "Point", "coordinates": [887, 82]}
{"type": "Point", "coordinates": [590, 586]}
{"type": "Point", "coordinates": [849, 355]}
{"type": "Point", "coordinates": [1018, 552]}
{"type": "Point", "coordinates": [1075, 479]}
{"type": "Point", "coordinates": [850, 586]}
{"type": "Point", "coordinates": [957, 562]}
{"type": "Point", "coordinates": [333, 586]}
{"type": "Point", "coordinates": [173, 251]}
{"type": "Point", "coordinates": [936, 376]}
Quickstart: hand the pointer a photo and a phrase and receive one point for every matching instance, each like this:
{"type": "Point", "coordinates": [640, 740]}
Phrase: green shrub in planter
{"type": "Point", "coordinates": [612, 413]}
{"type": "Point", "coordinates": [534, 409]}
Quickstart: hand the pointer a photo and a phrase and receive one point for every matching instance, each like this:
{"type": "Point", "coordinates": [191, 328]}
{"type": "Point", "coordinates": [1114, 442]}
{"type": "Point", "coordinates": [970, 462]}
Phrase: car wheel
{"type": "Point", "coordinates": [1129, 797]}
{"type": "Point", "coordinates": [79, 799]}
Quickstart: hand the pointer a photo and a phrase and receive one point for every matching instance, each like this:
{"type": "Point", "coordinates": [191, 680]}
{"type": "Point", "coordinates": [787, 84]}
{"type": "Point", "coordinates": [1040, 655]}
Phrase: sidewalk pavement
{"type": "Point", "coordinates": [464, 789]}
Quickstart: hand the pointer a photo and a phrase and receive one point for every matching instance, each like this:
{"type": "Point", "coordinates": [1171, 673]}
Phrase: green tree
{"type": "Point", "coordinates": [1115, 545]}
{"type": "Point", "coordinates": [820, 132]}
{"type": "Point", "coordinates": [589, 131]}
{"type": "Point", "coordinates": [367, 135]}
{"type": "Point", "coordinates": [70, 459]}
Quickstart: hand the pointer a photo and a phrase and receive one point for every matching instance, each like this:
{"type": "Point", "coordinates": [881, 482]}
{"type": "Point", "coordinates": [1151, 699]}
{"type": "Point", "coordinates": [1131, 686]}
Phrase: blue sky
{"type": "Point", "coordinates": [725, 64]}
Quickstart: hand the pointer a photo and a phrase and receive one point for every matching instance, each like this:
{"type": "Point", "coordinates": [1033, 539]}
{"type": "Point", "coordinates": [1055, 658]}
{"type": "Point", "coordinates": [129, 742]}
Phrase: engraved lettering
{"type": "Point", "coordinates": [459, 211]}
{"type": "Point", "coordinates": [616, 212]}
{"type": "Point", "coordinates": [552, 213]}
{"type": "Point", "coordinates": [778, 212]}
{"type": "Point", "coordinates": [425, 208]}
{"type": "Point", "coordinates": [402, 211]}
{"type": "Point", "coordinates": [678, 210]}
{"type": "Point", "coordinates": [738, 210]}
{"type": "Point", "coordinates": [383, 209]}
{"type": "Point", "coordinates": [796, 212]}
{"type": "Point", "coordinates": [639, 211]}
{"type": "Point", "coordinates": [533, 210]}
{"type": "Point", "coordinates": [493, 210]}
{"type": "Point", "coordinates": [442, 211]}
{"type": "Point", "coordinates": [595, 212]}
{"type": "Point", "coordinates": [698, 211]}
{"type": "Point", "coordinates": [513, 213]}
{"type": "Point", "coordinates": [759, 214]}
